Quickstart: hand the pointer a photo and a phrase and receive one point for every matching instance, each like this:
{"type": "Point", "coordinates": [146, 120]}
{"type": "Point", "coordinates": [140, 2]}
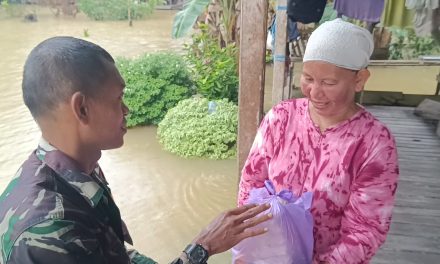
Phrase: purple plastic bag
{"type": "Point", "coordinates": [289, 239]}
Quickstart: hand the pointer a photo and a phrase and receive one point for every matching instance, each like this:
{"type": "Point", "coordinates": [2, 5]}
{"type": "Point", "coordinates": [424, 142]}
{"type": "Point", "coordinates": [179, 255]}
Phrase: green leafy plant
{"type": "Point", "coordinates": [86, 33]}
{"type": "Point", "coordinates": [185, 19]}
{"type": "Point", "coordinates": [220, 14]}
{"type": "Point", "coordinates": [154, 84]}
{"type": "Point", "coordinates": [214, 68]}
{"type": "Point", "coordinates": [268, 56]}
{"type": "Point", "coordinates": [12, 9]}
{"type": "Point", "coordinates": [229, 19]}
{"type": "Point", "coordinates": [117, 9]}
{"type": "Point", "coordinates": [406, 45]}
{"type": "Point", "coordinates": [198, 127]}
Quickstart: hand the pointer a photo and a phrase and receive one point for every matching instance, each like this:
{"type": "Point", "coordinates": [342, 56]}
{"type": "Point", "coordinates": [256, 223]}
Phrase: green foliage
{"type": "Point", "coordinates": [187, 17]}
{"type": "Point", "coordinates": [406, 45]}
{"type": "Point", "coordinates": [214, 68]}
{"type": "Point", "coordinates": [86, 33]}
{"type": "Point", "coordinates": [154, 84]}
{"type": "Point", "coordinates": [225, 11]}
{"type": "Point", "coordinates": [12, 9]}
{"type": "Point", "coordinates": [268, 56]}
{"type": "Point", "coordinates": [228, 17]}
{"type": "Point", "coordinates": [191, 130]}
{"type": "Point", "coordinates": [117, 9]}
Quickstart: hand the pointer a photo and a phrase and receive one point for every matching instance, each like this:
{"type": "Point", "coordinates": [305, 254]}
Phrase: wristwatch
{"type": "Point", "coordinates": [196, 254]}
{"type": "Point", "coordinates": [177, 261]}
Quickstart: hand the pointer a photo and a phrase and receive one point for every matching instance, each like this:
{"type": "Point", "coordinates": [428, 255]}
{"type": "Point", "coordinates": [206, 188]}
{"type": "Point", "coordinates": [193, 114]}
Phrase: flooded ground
{"type": "Point", "coordinates": [164, 199]}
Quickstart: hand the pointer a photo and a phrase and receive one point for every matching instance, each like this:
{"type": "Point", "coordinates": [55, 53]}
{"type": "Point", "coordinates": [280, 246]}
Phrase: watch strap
{"type": "Point", "coordinates": [177, 261]}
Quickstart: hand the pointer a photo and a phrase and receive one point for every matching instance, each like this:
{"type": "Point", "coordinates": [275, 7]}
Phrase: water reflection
{"type": "Point", "coordinates": [166, 199]}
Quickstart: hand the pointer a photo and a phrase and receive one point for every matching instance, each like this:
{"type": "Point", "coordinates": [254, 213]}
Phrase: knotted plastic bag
{"type": "Point", "coordinates": [289, 239]}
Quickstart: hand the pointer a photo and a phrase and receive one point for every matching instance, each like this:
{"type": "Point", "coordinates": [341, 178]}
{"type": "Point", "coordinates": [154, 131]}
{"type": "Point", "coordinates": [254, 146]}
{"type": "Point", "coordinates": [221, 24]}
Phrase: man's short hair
{"type": "Point", "coordinates": [60, 66]}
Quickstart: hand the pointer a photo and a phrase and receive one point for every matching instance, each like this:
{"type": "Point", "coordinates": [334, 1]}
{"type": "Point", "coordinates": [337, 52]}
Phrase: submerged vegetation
{"type": "Point", "coordinates": [197, 127]}
{"type": "Point", "coordinates": [154, 84]}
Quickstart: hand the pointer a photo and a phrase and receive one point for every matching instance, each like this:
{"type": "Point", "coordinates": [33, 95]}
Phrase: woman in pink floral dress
{"type": "Point", "coordinates": [331, 146]}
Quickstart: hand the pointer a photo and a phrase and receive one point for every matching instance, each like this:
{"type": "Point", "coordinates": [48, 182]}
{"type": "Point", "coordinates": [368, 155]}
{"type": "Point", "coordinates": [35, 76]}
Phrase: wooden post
{"type": "Point", "coordinates": [253, 26]}
{"type": "Point", "coordinates": [437, 91]}
{"type": "Point", "coordinates": [279, 59]}
{"type": "Point", "coordinates": [438, 128]}
{"type": "Point", "coordinates": [130, 20]}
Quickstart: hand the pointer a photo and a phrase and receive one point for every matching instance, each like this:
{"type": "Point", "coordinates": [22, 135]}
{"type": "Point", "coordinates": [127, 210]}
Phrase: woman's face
{"type": "Point", "coordinates": [331, 89]}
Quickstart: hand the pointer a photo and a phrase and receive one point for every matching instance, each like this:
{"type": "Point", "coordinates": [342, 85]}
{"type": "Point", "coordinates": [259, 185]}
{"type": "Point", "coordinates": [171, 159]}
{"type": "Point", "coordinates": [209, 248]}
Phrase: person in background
{"type": "Point", "coordinates": [59, 208]}
{"type": "Point", "coordinates": [327, 144]}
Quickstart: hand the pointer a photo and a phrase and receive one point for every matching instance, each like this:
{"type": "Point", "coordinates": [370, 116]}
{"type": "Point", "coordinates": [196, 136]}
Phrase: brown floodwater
{"type": "Point", "coordinates": [165, 200]}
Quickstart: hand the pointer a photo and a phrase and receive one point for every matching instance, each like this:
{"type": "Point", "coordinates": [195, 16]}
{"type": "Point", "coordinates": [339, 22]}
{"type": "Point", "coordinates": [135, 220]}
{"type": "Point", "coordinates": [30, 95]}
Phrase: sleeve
{"type": "Point", "coordinates": [138, 258]}
{"type": "Point", "coordinates": [56, 241]}
{"type": "Point", "coordinates": [61, 241]}
{"type": "Point", "coordinates": [367, 217]}
{"type": "Point", "coordinates": [256, 168]}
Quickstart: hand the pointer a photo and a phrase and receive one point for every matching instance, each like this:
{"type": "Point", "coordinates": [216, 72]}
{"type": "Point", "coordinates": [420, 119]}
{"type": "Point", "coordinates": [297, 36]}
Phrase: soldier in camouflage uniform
{"type": "Point", "coordinates": [58, 208]}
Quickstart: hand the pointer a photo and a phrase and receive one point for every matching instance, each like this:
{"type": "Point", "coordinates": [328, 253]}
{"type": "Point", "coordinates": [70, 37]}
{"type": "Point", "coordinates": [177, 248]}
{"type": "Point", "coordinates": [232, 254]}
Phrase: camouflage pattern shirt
{"type": "Point", "coordinates": [51, 212]}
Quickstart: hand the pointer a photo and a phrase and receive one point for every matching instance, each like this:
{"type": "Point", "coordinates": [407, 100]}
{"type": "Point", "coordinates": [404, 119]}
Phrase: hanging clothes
{"type": "Point", "coordinates": [426, 16]}
{"type": "Point", "coordinates": [306, 11]}
{"type": "Point", "coordinates": [364, 10]}
{"type": "Point", "coordinates": [329, 13]}
{"type": "Point", "coordinates": [420, 4]}
{"type": "Point", "coordinates": [292, 30]}
{"type": "Point", "coordinates": [395, 14]}
{"type": "Point", "coordinates": [292, 33]}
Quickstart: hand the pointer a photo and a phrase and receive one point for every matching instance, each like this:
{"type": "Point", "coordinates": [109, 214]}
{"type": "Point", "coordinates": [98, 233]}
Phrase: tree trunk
{"type": "Point", "coordinates": [130, 21]}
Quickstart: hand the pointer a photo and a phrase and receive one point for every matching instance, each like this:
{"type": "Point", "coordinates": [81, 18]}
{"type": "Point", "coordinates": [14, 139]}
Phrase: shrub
{"type": "Point", "coordinates": [192, 128]}
{"type": "Point", "coordinates": [154, 84]}
{"type": "Point", "coordinates": [214, 68]}
{"type": "Point", "coordinates": [12, 9]}
{"type": "Point", "coordinates": [117, 9]}
{"type": "Point", "coordinates": [406, 45]}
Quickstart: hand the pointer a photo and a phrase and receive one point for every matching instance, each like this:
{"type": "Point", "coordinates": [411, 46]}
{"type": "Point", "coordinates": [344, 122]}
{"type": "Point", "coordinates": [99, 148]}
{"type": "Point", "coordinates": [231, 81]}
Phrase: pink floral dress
{"type": "Point", "coordinates": [351, 168]}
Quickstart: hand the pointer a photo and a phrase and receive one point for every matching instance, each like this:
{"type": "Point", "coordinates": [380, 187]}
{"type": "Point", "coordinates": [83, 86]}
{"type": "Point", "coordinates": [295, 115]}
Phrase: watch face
{"type": "Point", "coordinates": [197, 254]}
{"type": "Point", "coordinates": [200, 252]}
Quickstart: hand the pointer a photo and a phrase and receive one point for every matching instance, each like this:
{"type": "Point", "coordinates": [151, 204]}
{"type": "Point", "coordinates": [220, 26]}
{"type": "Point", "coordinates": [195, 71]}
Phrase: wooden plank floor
{"type": "Point", "coordinates": [415, 230]}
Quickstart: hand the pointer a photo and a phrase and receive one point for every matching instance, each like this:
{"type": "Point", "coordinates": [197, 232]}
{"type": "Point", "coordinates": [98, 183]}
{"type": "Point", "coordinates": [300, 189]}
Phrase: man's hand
{"type": "Point", "coordinates": [231, 227]}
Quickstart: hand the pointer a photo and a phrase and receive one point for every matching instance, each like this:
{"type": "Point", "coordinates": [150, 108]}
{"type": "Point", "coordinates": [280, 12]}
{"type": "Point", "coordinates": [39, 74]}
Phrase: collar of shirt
{"type": "Point", "coordinates": [67, 168]}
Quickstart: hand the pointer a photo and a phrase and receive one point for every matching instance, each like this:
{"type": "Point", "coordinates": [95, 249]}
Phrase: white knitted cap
{"type": "Point", "coordinates": [340, 43]}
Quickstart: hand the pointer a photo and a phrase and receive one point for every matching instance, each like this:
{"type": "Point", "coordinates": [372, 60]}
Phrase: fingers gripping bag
{"type": "Point", "coordinates": [289, 239]}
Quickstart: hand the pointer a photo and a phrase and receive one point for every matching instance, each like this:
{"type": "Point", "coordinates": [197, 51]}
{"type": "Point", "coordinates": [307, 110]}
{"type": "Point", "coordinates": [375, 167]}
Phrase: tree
{"type": "Point", "coordinates": [220, 16]}
{"type": "Point", "coordinates": [118, 9]}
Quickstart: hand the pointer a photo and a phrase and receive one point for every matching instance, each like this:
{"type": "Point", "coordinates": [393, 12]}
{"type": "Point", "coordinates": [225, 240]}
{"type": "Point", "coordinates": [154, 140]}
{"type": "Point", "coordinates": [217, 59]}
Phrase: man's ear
{"type": "Point", "coordinates": [362, 78]}
{"type": "Point", "coordinates": [78, 104]}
